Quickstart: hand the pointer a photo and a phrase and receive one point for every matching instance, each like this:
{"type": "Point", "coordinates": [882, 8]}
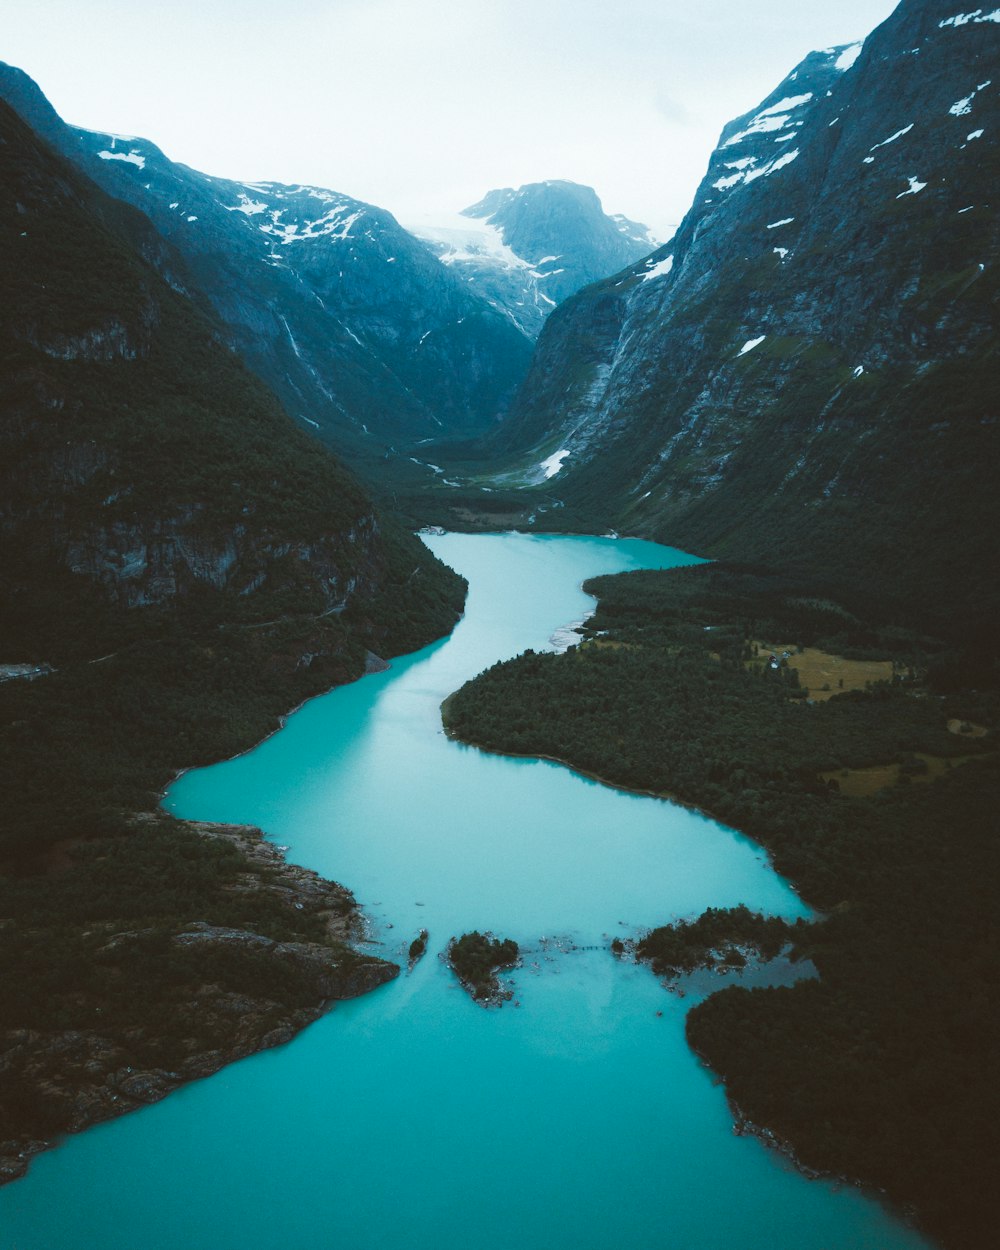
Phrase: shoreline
{"type": "Point", "coordinates": [744, 1126]}
{"type": "Point", "coordinates": [664, 795]}
{"type": "Point", "coordinates": [283, 718]}
{"type": "Point", "coordinates": [117, 1088]}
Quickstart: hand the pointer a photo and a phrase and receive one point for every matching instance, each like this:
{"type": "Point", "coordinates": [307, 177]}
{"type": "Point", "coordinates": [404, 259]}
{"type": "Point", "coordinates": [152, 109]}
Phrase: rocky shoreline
{"type": "Point", "coordinates": [97, 1074]}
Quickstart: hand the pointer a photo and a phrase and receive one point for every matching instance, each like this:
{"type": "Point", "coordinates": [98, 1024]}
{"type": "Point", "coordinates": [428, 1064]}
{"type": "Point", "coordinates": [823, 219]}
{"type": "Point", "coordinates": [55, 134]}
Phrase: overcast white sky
{"type": "Point", "coordinates": [422, 106]}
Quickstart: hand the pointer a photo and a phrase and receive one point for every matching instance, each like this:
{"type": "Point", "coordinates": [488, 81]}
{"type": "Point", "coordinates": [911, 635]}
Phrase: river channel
{"type": "Point", "coordinates": [574, 1117]}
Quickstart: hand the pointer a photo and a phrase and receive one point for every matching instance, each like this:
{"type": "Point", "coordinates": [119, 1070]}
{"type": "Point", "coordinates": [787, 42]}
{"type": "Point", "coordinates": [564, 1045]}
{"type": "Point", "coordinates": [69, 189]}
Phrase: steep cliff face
{"type": "Point", "coordinates": [811, 362]}
{"type": "Point", "coordinates": [143, 466]}
{"type": "Point", "coordinates": [362, 334]}
{"type": "Point", "coordinates": [526, 250]}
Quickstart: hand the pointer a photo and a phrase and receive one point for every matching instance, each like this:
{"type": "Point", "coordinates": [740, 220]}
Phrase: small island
{"type": "Point", "coordinates": [418, 949]}
{"type": "Point", "coordinates": [719, 939]}
{"type": "Point", "coordinates": [475, 958]}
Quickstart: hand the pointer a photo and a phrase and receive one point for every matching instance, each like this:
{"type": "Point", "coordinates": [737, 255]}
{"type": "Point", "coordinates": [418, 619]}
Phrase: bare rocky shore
{"type": "Point", "coordinates": [97, 1073]}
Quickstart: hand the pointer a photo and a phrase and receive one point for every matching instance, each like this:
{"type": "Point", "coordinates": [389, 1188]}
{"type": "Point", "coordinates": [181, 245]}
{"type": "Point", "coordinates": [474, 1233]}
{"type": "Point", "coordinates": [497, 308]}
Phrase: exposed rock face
{"type": "Point", "coordinates": [155, 560]}
{"type": "Point", "coordinates": [524, 251]}
{"type": "Point", "coordinates": [815, 352]}
{"type": "Point", "coordinates": [364, 336]}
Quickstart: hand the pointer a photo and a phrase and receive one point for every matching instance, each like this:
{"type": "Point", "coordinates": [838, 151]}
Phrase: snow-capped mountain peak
{"type": "Point", "coordinates": [526, 249]}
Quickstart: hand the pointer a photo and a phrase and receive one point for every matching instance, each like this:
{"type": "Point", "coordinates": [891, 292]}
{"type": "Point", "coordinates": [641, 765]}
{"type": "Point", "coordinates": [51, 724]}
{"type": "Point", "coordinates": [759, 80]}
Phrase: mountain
{"type": "Point", "coordinates": [144, 466]}
{"type": "Point", "coordinates": [179, 565]}
{"type": "Point", "coordinates": [524, 251]}
{"type": "Point", "coordinates": [807, 373]}
{"type": "Point", "coordinates": [364, 336]}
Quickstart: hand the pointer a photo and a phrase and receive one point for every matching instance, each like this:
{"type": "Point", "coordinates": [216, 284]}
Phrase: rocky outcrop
{"type": "Point", "coordinates": [97, 1074]}
{"type": "Point", "coordinates": [156, 559]}
{"type": "Point", "coordinates": [476, 959]}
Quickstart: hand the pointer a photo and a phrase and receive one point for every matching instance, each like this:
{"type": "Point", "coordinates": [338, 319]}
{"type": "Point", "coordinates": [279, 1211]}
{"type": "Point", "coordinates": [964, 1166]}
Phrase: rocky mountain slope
{"type": "Point", "coordinates": [179, 565]}
{"type": "Point", "coordinates": [364, 336]}
{"type": "Point", "coordinates": [526, 250]}
{"type": "Point", "coordinates": [807, 372]}
{"type": "Point", "coordinates": [142, 460]}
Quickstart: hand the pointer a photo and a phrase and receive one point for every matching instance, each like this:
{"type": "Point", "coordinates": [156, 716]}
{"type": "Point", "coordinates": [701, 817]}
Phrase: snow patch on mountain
{"type": "Point", "coordinates": [660, 269]}
{"type": "Point", "coordinates": [551, 466]}
{"type": "Point", "coordinates": [331, 225]}
{"type": "Point", "coordinates": [458, 239]}
{"type": "Point", "coordinates": [961, 107]}
{"type": "Point", "coordinates": [247, 205]}
{"type": "Point", "coordinates": [754, 171]}
{"type": "Point", "coordinates": [892, 138]}
{"type": "Point", "coordinates": [848, 56]}
{"type": "Point", "coordinates": [761, 124]}
{"type": "Point", "coordinates": [750, 344]}
{"type": "Point", "coordinates": [283, 212]}
{"type": "Point", "coordinates": [772, 167]}
{"type": "Point", "coordinates": [789, 102]}
{"type": "Point", "coordinates": [963, 19]}
{"type": "Point", "coordinates": [131, 158]}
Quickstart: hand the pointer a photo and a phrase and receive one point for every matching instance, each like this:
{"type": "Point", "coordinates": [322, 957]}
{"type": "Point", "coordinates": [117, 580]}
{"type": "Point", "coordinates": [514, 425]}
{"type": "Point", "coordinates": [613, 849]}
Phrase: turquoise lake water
{"type": "Point", "coordinates": [412, 1119]}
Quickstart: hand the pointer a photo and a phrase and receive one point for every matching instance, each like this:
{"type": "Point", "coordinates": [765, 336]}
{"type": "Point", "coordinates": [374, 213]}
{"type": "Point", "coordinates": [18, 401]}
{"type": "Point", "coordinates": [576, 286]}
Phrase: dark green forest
{"type": "Point", "coordinates": [721, 937]}
{"type": "Point", "coordinates": [880, 1069]}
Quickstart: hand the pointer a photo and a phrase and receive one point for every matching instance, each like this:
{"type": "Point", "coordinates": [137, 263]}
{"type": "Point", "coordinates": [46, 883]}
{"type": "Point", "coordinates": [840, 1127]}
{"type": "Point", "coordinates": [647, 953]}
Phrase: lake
{"type": "Point", "coordinates": [574, 1117]}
